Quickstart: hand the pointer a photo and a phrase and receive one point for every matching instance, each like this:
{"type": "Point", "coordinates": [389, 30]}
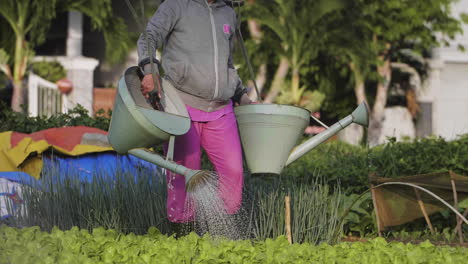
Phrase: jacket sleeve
{"type": "Point", "coordinates": [240, 89]}
{"type": "Point", "coordinates": [157, 29]}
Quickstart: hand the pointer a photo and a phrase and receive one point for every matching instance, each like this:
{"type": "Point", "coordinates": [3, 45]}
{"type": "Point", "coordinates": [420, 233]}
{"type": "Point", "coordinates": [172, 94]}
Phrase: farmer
{"type": "Point", "coordinates": [196, 37]}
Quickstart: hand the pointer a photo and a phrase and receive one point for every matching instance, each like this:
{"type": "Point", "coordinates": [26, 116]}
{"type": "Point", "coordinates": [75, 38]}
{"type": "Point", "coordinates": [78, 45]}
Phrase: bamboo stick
{"type": "Point", "coordinates": [287, 201]}
{"type": "Point", "coordinates": [465, 214]}
{"type": "Point", "coordinates": [423, 210]}
{"type": "Point", "coordinates": [455, 203]}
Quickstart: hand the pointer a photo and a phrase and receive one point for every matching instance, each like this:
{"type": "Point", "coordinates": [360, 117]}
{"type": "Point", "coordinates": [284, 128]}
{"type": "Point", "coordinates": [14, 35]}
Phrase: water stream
{"type": "Point", "coordinates": [210, 212]}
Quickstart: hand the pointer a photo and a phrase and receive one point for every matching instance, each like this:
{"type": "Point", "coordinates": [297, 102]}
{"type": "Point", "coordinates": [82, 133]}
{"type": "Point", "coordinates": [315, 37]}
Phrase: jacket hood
{"type": "Point", "coordinates": [216, 3]}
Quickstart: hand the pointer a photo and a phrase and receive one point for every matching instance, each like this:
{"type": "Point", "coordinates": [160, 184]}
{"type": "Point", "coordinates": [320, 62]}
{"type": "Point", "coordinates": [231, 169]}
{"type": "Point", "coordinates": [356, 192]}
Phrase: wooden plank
{"type": "Point", "coordinates": [374, 202]}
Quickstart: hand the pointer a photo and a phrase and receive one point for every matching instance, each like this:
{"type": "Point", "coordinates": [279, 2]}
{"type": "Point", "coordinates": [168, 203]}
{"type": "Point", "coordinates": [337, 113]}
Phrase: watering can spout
{"type": "Point", "coordinates": [359, 116]}
{"type": "Point", "coordinates": [167, 164]}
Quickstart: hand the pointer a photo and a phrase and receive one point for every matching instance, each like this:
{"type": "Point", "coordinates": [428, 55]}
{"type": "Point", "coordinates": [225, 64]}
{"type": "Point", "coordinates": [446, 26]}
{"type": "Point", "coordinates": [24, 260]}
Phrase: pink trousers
{"type": "Point", "coordinates": [220, 140]}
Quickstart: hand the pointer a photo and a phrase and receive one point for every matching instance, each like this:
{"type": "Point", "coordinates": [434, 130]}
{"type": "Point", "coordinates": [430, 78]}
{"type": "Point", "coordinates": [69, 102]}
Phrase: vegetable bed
{"type": "Point", "coordinates": [30, 245]}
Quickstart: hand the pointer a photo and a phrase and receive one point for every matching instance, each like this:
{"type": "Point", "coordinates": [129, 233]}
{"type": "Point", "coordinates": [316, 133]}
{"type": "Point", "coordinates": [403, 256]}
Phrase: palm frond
{"type": "Point", "coordinates": [37, 17]}
{"type": "Point", "coordinates": [269, 17]}
{"type": "Point", "coordinates": [8, 11]}
{"type": "Point", "coordinates": [105, 21]}
{"type": "Point", "coordinates": [322, 8]}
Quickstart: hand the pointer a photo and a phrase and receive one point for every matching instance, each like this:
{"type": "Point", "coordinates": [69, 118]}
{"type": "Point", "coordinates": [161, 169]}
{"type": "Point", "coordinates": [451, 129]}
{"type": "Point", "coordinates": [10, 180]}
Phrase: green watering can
{"type": "Point", "coordinates": [136, 126]}
{"type": "Point", "coordinates": [269, 132]}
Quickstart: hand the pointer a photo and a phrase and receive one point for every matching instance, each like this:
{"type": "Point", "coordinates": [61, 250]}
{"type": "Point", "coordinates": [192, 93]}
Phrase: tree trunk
{"type": "Point", "coordinates": [260, 81]}
{"type": "Point", "coordinates": [254, 30]}
{"type": "Point", "coordinates": [354, 133]}
{"type": "Point", "coordinates": [20, 61]}
{"type": "Point", "coordinates": [378, 111]}
{"type": "Point", "coordinates": [359, 87]}
{"type": "Point", "coordinates": [278, 80]}
{"type": "Point", "coordinates": [261, 77]}
{"type": "Point", "coordinates": [17, 98]}
{"type": "Point", "coordinates": [415, 86]}
{"type": "Point", "coordinates": [296, 95]}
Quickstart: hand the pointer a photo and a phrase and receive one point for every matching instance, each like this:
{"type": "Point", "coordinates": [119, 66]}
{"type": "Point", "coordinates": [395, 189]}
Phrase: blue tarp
{"type": "Point", "coordinates": [86, 165]}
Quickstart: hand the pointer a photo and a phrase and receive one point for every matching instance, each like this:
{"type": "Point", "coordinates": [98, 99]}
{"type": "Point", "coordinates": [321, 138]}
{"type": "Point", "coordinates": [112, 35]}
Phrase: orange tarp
{"type": "Point", "coordinates": [22, 152]}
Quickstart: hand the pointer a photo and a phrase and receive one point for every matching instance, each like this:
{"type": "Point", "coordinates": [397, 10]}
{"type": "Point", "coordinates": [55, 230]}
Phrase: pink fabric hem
{"type": "Point", "coordinates": [202, 116]}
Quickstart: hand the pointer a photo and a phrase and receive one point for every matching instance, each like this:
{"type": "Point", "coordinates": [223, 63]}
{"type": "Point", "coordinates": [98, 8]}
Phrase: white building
{"type": "Point", "coordinates": [444, 98]}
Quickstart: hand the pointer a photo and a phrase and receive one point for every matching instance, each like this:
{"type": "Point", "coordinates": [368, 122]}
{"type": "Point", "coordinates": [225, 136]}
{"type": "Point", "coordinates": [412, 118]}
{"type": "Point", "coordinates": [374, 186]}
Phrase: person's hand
{"type": "Point", "coordinates": [147, 85]}
{"type": "Point", "coordinates": [246, 100]}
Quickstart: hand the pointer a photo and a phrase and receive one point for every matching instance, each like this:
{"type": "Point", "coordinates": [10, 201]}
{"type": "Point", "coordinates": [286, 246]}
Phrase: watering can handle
{"type": "Point", "coordinates": [155, 99]}
{"type": "Point", "coordinates": [155, 95]}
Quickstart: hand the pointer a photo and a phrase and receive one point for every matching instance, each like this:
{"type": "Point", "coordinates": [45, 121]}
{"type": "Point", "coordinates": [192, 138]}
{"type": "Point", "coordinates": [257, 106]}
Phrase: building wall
{"type": "Point", "coordinates": [451, 101]}
{"type": "Point", "coordinates": [446, 91]}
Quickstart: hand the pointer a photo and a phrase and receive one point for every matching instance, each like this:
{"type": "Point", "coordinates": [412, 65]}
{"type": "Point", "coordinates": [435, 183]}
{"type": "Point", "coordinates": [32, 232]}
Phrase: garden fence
{"type": "Point", "coordinates": [44, 97]}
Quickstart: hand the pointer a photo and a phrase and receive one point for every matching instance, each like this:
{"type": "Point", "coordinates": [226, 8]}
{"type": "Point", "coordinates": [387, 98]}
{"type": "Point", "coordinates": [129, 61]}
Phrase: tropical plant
{"type": "Point", "coordinates": [354, 47]}
{"type": "Point", "coordinates": [28, 22]}
{"type": "Point", "coordinates": [389, 27]}
{"type": "Point", "coordinates": [300, 29]}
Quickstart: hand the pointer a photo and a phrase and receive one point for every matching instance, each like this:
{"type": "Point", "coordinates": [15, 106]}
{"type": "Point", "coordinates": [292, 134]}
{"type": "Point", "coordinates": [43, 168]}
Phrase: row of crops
{"type": "Point", "coordinates": [321, 187]}
{"type": "Point", "coordinates": [123, 220]}
{"type": "Point", "coordinates": [30, 245]}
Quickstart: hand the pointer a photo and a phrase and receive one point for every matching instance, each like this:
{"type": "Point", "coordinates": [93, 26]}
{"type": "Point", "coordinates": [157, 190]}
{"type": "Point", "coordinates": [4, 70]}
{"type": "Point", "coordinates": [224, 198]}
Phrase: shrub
{"type": "Point", "coordinates": [420, 156]}
{"type": "Point", "coordinates": [335, 161]}
{"type": "Point", "coordinates": [350, 165]}
{"type": "Point", "coordinates": [49, 70]}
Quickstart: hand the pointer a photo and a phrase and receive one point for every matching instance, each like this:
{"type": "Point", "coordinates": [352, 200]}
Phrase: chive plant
{"type": "Point", "coordinates": [315, 209]}
{"type": "Point", "coordinates": [117, 200]}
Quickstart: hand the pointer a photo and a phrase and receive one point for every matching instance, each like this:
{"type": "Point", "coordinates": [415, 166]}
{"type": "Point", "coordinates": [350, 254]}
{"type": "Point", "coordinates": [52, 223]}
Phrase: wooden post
{"type": "Point", "coordinates": [465, 214]}
{"type": "Point", "coordinates": [379, 225]}
{"type": "Point", "coordinates": [423, 210]}
{"type": "Point", "coordinates": [287, 207]}
{"type": "Point", "coordinates": [455, 204]}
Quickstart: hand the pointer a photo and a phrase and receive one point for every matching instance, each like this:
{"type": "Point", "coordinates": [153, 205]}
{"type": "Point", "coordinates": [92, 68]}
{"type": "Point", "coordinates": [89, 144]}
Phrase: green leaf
{"type": "Point", "coordinates": [463, 204]}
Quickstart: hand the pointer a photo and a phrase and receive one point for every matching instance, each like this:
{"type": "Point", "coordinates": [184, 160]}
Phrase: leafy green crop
{"type": "Point", "coordinates": [30, 245]}
{"type": "Point", "coordinates": [78, 116]}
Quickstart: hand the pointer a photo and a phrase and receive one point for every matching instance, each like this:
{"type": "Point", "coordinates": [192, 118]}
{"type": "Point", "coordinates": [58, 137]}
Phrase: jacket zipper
{"type": "Point", "coordinates": [215, 43]}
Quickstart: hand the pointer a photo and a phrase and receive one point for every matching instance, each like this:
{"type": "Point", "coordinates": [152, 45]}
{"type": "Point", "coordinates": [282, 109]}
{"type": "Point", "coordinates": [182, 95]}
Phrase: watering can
{"type": "Point", "coordinates": [269, 134]}
{"type": "Point", "coordinates": [136, 126]}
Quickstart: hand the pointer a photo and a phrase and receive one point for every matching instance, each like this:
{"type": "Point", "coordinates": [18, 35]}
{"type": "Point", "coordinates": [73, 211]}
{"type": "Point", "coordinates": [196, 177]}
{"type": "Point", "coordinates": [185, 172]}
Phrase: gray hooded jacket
{"type": "Point", "coordinates": [196, 38]}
